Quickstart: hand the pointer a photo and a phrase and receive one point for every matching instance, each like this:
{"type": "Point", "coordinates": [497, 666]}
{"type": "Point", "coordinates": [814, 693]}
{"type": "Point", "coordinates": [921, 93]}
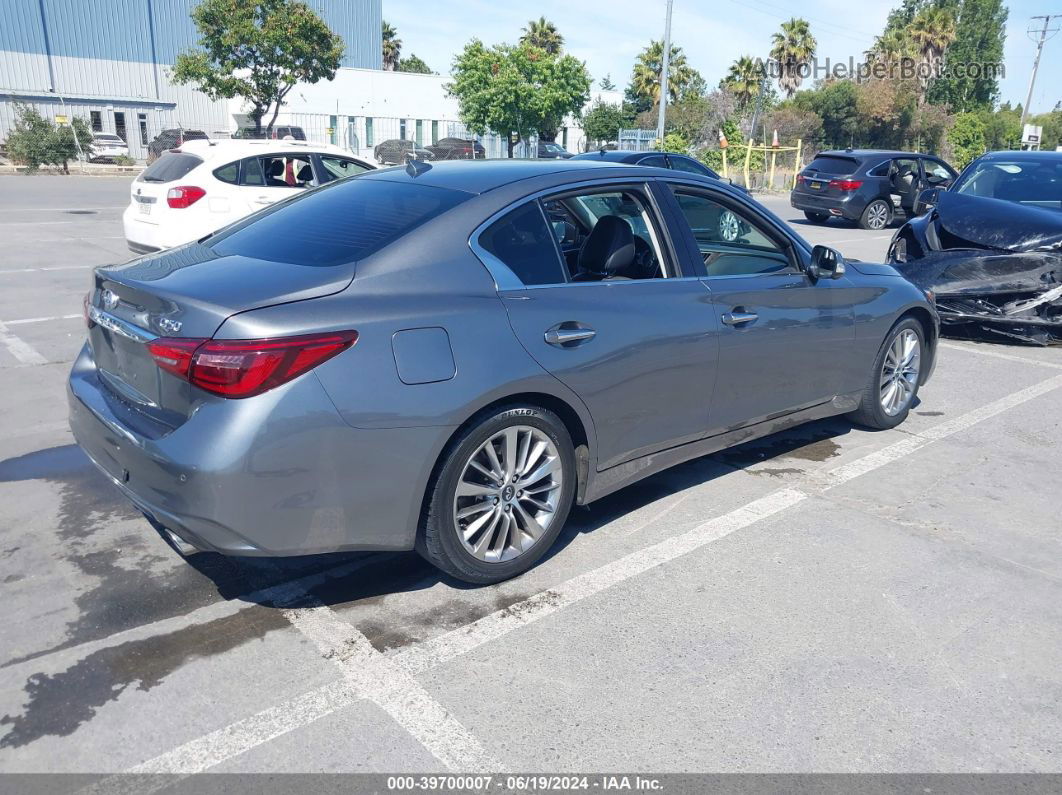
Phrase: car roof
{"type": "Point", "coordinates": [1021, 154]}
{"type": "Point", "coordinates": [229, 148]}
{"type": "Point", "coordinates": [618, 155]}
{"type": "Point", "coordinates": [481, 176]}
{"type": "Point", "coordinates": [861, 154]}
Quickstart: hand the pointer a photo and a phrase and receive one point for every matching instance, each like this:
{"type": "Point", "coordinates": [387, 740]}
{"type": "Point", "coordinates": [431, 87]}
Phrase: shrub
{"type": "Point", "coordinates": [35, 141]}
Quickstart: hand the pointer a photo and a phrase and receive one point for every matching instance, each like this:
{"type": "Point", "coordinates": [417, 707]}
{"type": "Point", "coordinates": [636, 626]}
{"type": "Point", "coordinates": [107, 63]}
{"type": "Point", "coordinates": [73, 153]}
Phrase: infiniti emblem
{"type": "Point", "coordinates": [110, 299]}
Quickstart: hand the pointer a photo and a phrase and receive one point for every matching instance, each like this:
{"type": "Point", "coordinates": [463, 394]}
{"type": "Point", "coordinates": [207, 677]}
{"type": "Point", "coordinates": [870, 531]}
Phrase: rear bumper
{"type": "Point", "coordinates": [141, 248]}
{"type": "Point", "coordinates": [274, 475]}
{"type": "Point", "coordinates": [837, 206]}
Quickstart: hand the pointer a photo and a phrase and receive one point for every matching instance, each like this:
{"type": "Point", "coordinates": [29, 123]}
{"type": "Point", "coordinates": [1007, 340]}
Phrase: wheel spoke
{"type": "Point", "coordinates": [548, 467]}
{"type": "Point", "coordinates": [467, 489]}
{"type": "Point", "coordinates": [532, 458]}
{"type": "Point", "coordinates": [488, 535]}
{"type": "Point", "coordinates": [472, 510]}
{"type": "Point", "coordinates": [509, 453]}
{"type": "Point", "coordinates": [478, 524]}
{"type": "Point", "coordinates": [531, 525]}
{"type": "Point", "coordinates": [495, 464]}
{"type": "Point", "coordinates": [542, 506]}
{"type": "Point", "coordinates": [494, 477]}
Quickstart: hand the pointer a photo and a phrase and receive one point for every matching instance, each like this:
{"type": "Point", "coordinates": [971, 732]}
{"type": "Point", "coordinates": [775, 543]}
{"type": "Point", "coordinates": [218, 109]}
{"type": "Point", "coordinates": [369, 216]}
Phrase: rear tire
{"type": "Point", "coordinates": [503, 525]}
{"type": "Point", "coordinates": [816, 218]}
{"type": "Point", "coordinates": [892, 387]}
{"type": "Point", "coordinates": [876, 216]}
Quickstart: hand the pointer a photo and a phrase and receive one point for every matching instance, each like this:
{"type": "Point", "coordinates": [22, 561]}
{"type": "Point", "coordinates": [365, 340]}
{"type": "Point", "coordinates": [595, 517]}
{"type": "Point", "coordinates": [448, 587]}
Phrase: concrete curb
{"type": "Point", "coordinates": [76, 170]}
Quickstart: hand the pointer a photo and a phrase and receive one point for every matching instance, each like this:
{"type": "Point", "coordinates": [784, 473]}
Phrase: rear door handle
{"type": "Point", "coordinates": [737, 318]}
{"type": "Point", "coordinates": [566, 335]}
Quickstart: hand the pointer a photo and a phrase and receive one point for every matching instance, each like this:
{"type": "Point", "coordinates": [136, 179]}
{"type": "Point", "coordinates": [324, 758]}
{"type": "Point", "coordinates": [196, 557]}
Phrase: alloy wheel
{"type": "Point", "coordinates": [877, 215]}
{"type": "Point", "coordinates": [507, 495]}
{"type": "Point", "coordinates": [729, 226]}
{"type": "Point", "coordinates": [899, 372]}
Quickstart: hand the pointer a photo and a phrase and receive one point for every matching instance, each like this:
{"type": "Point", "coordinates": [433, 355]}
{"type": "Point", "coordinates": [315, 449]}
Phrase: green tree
{"type": "Point", "coordinates": [835, 103]}
{"type": "Point", "coordinates": [744, 80]}
{"type": "Point", "coordinates": [35, 141]}
{"type": "Point", "coordinates": [391, 46]}
{"type": "Point", "coordinates": [792, 47]}
{"type": "Point", "coordinates": [979, 36]}
{"type": "Point", "coordinates": [645, 79]}
{"type": "Point", "coordinates": [543, 34]}
{"type": "Point", "coordinates": [516, 90]}
{"type": "Point", "coordinates": [258, 51]}
{"type": "Point", "coordinates": [603, 122]}
{"type": "Point", "coordinates": [967, 139]}
{"type": "Point", "coordinates": [414, 64]}
{"type": "Point", "coordinates": [606, 84]}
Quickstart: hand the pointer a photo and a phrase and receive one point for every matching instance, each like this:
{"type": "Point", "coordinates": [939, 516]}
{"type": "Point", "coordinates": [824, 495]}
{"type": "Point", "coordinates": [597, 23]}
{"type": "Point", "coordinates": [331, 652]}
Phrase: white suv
{"type": "Point", "coordinates": [204, 185]}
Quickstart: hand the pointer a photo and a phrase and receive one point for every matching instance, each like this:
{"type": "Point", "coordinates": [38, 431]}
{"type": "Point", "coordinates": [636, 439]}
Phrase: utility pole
{"type": "Point", "coordinates": [1036, 62]}
{"type": "Point", "coordinates": [665, 62]}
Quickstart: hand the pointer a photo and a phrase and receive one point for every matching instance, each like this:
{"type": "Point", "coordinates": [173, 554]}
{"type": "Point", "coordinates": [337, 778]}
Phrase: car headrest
{"type": "Point", "coordinates": [276, 168]}
{"type": "Point", "coordinates": [609, 248]}
{"type": "Point", "coordinates": [305, 174]}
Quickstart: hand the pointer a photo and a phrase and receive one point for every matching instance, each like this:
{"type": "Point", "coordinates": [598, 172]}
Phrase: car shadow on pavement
{"type": "Point", "coordinates": [381, 574]}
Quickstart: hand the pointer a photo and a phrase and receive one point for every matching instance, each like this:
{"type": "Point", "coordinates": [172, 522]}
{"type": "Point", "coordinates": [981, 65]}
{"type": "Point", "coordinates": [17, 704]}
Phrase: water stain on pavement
{"type": "Point", "coordinates": [59, 703]}
{"type": "Point", "coordinates": [812, 442]}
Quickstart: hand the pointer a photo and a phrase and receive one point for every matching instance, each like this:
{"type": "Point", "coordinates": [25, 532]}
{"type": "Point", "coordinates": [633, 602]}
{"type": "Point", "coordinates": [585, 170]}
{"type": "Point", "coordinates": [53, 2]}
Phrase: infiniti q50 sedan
{"type": "Point", "coordinates": [445, 357]}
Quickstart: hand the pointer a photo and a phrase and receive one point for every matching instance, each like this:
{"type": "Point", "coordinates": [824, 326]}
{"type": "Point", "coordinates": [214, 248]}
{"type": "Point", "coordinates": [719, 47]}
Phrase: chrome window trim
{"type": "Point", "coordinates": [504, 278]}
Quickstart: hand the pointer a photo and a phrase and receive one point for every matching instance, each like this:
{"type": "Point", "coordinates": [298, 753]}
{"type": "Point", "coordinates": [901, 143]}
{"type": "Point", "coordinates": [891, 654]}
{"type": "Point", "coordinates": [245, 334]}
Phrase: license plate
{"type": "Point", "coordinates": [145, 208]}
{"type": "Point", "coordinates": [815, 185]}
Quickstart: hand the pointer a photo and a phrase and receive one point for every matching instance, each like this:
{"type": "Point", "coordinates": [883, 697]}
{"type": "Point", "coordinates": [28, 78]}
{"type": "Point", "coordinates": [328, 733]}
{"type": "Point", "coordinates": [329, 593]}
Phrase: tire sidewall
{"type": "Point", "coordinates": [866, 214]}
{"type": "Point", "coordinates": [884, 419]}
{"type": "Point", "coordinates": [446, 486]}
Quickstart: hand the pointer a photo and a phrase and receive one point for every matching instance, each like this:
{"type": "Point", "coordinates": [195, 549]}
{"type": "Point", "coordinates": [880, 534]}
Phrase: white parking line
{"type": "Point", "coordinates": [19, 348]}
{"type": "Point", "coordinates": [5, 271]}
{"type": "Point", "coordinates": [244, 735]}
{"type": "Point", "coordinates": [21, 321]}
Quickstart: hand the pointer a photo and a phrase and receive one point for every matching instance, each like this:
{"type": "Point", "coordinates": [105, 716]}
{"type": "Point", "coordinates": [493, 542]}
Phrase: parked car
{"type": "Point", "coordinates": [868, 186]}
{"type": "Point", "coordinates": [417, 358]}
{"type": "Point", "coordinates": [990, 248]}
{"type": "Point", "coordinates": [672, 160]}
{"type": "Point", "coordinates": [396, 151]}
{"type": "Point", "coordinates": [204, 185]}
{"type": "Point", "coordinates": [551, 150]}
{"type": "Point", "coordinates": [107, 146]}
{"type": "Point", "coordinates": [282, 132]}
{"type": "Point", "coordinates": [457, 149]}
{"type": "Point", "coordinates": [171, 139]}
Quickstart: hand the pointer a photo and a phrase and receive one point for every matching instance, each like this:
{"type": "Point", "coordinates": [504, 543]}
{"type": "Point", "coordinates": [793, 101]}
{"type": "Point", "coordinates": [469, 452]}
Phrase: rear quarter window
{"type": "Point", "coordinates": [831, 164]}
{"type": "Point", "coordinates": [169, 167]}
{"type": "Point", "coordinates": [525, 245]}
{"type": "Point", "coordinates": [336, 224]}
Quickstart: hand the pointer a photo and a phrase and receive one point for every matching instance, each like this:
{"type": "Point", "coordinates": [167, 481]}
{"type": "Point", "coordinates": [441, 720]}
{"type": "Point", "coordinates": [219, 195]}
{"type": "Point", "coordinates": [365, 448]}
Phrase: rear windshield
{"type": "Point", "coordinates": [171, 166]}
{"type": "Point", "coordinates": [336, 224]}
{"type": "Point", "coordinates": [829, 164]}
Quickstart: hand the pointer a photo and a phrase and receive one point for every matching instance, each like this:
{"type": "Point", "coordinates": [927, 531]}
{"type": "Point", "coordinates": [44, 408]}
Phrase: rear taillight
{"type": "Point", "coordinates": [846, 184]}
{"type": "Point", "coordinates": [800, 179]}
{"type": "Point", "coordinates": [242, 368]}
{"type": "Point", "coordinates": [184, 196]}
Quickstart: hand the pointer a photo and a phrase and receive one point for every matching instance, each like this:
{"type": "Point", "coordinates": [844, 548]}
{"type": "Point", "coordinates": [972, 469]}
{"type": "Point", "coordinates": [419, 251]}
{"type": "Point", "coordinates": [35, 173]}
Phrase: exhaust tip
{"type": "Point", "coordinates": [184, 549]}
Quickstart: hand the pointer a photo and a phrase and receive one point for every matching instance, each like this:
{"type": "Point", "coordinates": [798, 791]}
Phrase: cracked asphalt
{"type": "Point", "coordinates": [824, 600]}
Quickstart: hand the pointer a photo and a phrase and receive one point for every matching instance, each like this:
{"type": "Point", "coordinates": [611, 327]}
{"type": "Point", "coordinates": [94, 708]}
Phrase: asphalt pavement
{"type": "Point", "coordinates": [824, 600]}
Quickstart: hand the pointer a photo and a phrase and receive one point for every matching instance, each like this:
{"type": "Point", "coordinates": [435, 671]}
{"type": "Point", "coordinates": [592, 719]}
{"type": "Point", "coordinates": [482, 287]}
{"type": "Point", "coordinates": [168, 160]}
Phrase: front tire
{"type": "Point", "coordinates": [892, 387]}
{"type": "Point", "coordinates": [501, 495]}
{"type": "Point", "coordinates": [876, 216]}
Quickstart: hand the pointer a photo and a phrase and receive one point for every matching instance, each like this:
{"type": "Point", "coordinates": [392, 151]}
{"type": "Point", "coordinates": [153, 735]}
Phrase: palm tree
{"type": "Point", "coordinates": [744, 79]}
{"type": "Point", "coordinates": [932, 31]}
{"type": "Point", "coordinates": [793, 48]}
{"type": "Point", "coordinates": [392, 47]}
{"type": "Point", "coordinates": [543, 34]}
{"type": "Point", "coordinates": [890, 47]}
{"type": "Point", "coordinates": [645, 80]}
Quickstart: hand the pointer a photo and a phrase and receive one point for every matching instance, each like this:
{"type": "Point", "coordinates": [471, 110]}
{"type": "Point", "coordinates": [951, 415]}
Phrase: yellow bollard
{"type": "Point", "coordinates": [748, 157]}
{"type": "Point", "coordinates": [796, 162]}
{"type": "Point", "coordinates": [726, 172]}
{"type": "Point", "coordinates": [770, 182]}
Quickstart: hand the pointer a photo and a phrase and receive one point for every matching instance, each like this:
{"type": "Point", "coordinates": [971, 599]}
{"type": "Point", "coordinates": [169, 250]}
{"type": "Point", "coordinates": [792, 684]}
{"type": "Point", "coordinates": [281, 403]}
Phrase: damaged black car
{"type": "Point", "coordinates": [990, 249]}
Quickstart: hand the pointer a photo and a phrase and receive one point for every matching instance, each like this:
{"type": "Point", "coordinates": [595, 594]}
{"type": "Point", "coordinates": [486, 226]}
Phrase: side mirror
{"type": "Point", "coordinates": [926, 200]}
{"type": "Point", "coordinates": [826, 263]}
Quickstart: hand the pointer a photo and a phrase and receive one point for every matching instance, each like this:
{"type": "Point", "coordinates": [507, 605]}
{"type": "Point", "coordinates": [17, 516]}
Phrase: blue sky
{"type": "Point", "coordinates": [608, 34]}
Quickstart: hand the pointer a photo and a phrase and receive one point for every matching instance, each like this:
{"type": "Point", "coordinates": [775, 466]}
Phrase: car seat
{"type": "Point", "coordinates": [608, 249]}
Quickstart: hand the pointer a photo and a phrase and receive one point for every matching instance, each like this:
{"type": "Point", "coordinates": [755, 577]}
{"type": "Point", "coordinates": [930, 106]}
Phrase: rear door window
{"type": "Point", "coordinates": [252, 173]}
{"type": "Point", "coordinates": [653, 161]}
{"type": "Point", "coordinates": [333, 167]}
{"type": "Point", "coordinates": [169, 167]}
{"type": "Point", "coordinates": [523, 242]}
{"type": "Point", "coordinates": [832, 164]}
{"type": "Point", "coordinates": [337, 224]}
{"type": "Point", "coordinates": [689, 165]}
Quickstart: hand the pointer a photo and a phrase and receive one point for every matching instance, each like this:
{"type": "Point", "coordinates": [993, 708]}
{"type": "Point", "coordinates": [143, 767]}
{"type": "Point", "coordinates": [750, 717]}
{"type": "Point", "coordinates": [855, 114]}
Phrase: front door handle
{"type": "Point", "coordinates": [567, 335]}
{"type": "Point", "coordinates": [737, 318]}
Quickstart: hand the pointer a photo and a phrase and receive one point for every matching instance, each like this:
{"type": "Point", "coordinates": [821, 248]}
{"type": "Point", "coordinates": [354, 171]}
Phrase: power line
{"type": "Point", "coordinates": [1036, 62]}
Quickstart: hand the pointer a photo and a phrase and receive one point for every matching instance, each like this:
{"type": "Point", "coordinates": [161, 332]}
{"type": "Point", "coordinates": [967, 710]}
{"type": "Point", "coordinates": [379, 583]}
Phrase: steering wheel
{"type": "Point", "coordinates": [644, 265]}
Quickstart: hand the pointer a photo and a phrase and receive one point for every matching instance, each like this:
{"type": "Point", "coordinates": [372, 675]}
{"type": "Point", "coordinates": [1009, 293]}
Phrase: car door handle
{"type": "Point", "coordinates": [568, 336]}
{"type": "Point", "coordinates": [737, 318]}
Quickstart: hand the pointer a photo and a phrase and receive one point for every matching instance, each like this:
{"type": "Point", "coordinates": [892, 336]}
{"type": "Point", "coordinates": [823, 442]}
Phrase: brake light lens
{"type": "Point", "coordinates": [801, 179]}
{"type": "Point", "coordinates": [243, 368]}
{"type": "Point", "coordinates": [184, 196]}
{"type": "Point", "coordinates": [846, 184]}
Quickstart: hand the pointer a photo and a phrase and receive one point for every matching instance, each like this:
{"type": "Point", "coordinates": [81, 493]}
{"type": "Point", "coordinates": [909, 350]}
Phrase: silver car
{"type": "Point", "coordinates": [445, 357]}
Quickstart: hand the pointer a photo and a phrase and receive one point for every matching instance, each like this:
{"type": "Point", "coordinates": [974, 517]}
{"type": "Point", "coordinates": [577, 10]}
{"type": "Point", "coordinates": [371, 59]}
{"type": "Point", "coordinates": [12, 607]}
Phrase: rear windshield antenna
{"type": "Point", "coordinates": [417, 167]}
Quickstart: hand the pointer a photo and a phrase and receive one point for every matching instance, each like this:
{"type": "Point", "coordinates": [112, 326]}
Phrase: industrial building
{"type": "Point", "coordinates": [109, 61]}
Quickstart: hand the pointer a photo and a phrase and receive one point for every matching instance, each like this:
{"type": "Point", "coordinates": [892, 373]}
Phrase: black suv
{"type": "Point", "coordinates": [171, 139]}
{"type": "Point", "coordinates": [868, 186]}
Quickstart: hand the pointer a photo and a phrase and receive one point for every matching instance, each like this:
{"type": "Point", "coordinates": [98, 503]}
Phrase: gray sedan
{"type": "Point", "coordinates": [447, 357]}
